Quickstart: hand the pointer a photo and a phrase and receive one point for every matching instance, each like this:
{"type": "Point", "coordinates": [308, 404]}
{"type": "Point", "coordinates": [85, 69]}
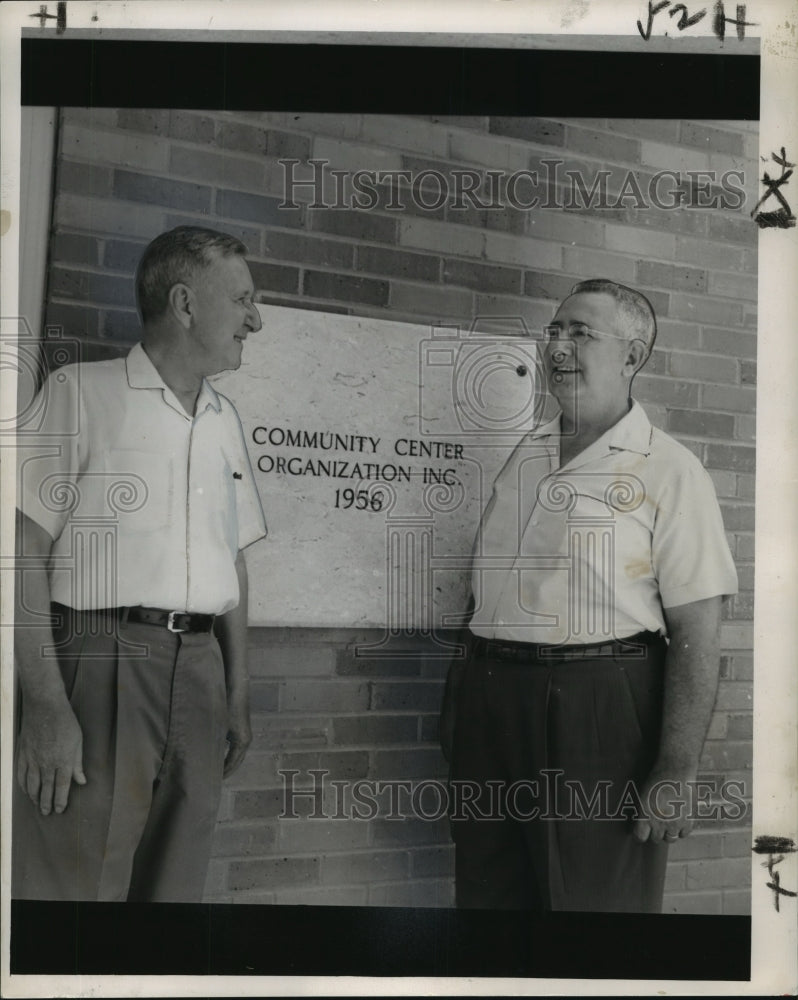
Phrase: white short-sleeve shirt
{"type": "Point", "coordinates": [595, 549]}
{"type": "Point", "coordinates": [146, 505]}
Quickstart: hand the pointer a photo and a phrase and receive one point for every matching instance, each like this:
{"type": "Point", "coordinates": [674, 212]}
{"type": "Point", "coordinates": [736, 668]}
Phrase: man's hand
{"type": "Point", "coordinates": [50, 754]}
{"type": "Point", "coordinates": [666, 802]}
{"type": "Point", "coordinates": [239, 734]}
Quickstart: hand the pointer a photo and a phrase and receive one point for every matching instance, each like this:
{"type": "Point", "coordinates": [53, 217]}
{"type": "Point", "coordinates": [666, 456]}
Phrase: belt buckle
{"type": "Point", "coordinates": [170, 622]}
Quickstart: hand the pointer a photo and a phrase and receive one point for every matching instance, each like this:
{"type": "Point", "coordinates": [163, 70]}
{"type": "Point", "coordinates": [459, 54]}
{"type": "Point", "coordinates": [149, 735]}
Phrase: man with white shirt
{"type": "Point", "coordinates": [135, 501]}
{"type": "Point", "coordinates": [599, 569]}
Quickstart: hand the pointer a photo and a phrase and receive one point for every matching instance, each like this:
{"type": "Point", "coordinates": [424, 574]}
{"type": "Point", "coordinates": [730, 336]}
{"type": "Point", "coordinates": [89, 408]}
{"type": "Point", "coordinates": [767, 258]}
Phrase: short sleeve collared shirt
{"type": "Point", "coordinates": [597, 548]}
{"type": "Point", "coordinates": [145, 504]}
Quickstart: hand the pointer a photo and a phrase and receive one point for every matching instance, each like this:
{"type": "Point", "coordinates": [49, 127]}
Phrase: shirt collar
{"type": "Point", "coordinates": [632, 432]}
{"type": "Point", "coordinates": [142, 374]}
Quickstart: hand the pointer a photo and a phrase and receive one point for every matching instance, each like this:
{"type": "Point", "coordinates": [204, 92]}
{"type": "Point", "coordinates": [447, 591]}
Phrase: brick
{"type": "Point", "coordinates": [667, 157]}
{"type": "Point", "coordinates": [287, 145]}
{"type": "Point", "coordinates": [667, 391]}
{"type": "Point", "coordinates": [308, 249]}
{"type": "Point", "coordinates": [643, 128]}
{"type": "Point", "coordinates": [734, 696]}
{"type": "Point", "coordinates": [258, 770]}
{"type": "Point", "coordinates": [370, 729]}
{"type": "Point", "coordinates": [241, 137]}
{"type": "Point", "coordinates": [743, 607]}
{"type": "Point", "coordinates": [425, 234]}
{"type": "Point", "coordinates": [482, 277]}
{"type": "Point", "coordinates": [737, 902]}
{"type": "Point", "coordinates": [510, 249]}
{"type": "Point", "coordinates": [693, 902]}
{"type": "Point", "coordinates": [409, 763]}
{"type": "Point", "coordinates": [699, 309]}
{"type": "Point", "coordinates": [746, 546]}
{"type": "Point", "coordinates": [345, 763]}
{"type": "Point", "coordinates": [327, 285]}
{"type": "Point", "coordinates": [433, 893]}
{"type": "Point", "coordinates": [741, 399]}
{"type": "Point", "coordinates": [407, 832]}
{"type": "Point", "coordinates": [708, 254]}
{"type": "Point", "coordinates": [75, 248]}
{"type": "Point", "coordinates": [746, 428]}
{"type": "Point", "coordinates": [358, 224]}
{"type": "Point", "coordinates": [733, 873]}
{"type": "Point", "coordinates": [143, 120]}
{"type": "Point", "coordinates": [737, 844]}
{"type": "Point", "coordinates": [406, 696]}
{"type": "Point", "coordinates": [161, 191]}
{"type": "Point", "coordinates": [533, 130]}
{"type": "Point", "coordinates": [216, 168]}
{"type": "Point", "coordinates": [301, 660]}
{"type": "Point", "coordinates": [84, 178]}
{"type": "Point", "coordinates": [686, 279]}
{"type": "Point", "coordinates": [333, 696]}
{"type": "Point", "coordinates": [725, 483]}
{"type": "Point", "coordinates": [296, 731]}
{"type": "Point", "coordinates": [675, 876]}
{"type": "Point", "coordinates": [429, 730]}
{"type": "Point", "coordinates": [734, 286]}
{"type": "Point", "coordinates": [751, 261]}
{"type": "Point", "coordinates": [711, 139]}
{"type": "Point", "coordinates": [742, 231]}
{"type": "Point", "coordinates": [376, 866]}
{"type": "Point", "coordinates": [342, 125]}
{"type": "Point", "coordinates": [73, 211]}
{"type": "Point", "coordinates": [748, 372]}
{"type": "Point", "coordinates": [273, 872]}
{"type": "Point", "coordinates": [640, 242]}
{"type": "Point", "coordinates": [583, 264]}
{"type": "Point", "coordinates": [405, 133]}
{"type": "Point", "coordinates": [401, 263]}
{"type": "Point", "coordinates": [735, 343]}
{"type": "Point", "coordinates": [699, 844]}
{"type": "Point", "coordinates": [263, 696]}
{"type": "Point", "coordinates": [432, 862]}
{"type": "Point", "coordinates": [362, 665]}
{"type": "Point", "coordinates": [487, 151]}
{"type": "Point", "coordinates": [326, 836]}
{"type": "Point", "coordinates": [270, 803]}
{"type": "Point", "coordinates": [116, 148]}
{"type": "Point", "coordinates": [506, 220]}
{"type": "Point", "coordinates": [75, 320]}
{"type": "Point", "coordinates": [242, 840]}
{"type": "Point", "coordinates": [540, 285]}
{"type": "Point", "coordinates": [703, 367]}
{"type": "Point", "coordinates": [602, 145]}
{"type": "Point", "coordinates": [122, 255]}
{"type": "Point", "coordinates": [257, 208]}
{"type": "Point", "coordinates": [701, 424]}
{"type": "Point", "coordinates": [738, 517]}
{"type": "Point", "coordinates": [197, 128]}
{"type": "Point", "coordinates": [274, 277]}
{"type": "Point", "coordinates": [727, 755]}
{"type": "Point", "coordinates": [91, 287]}
{"type": "Point", "coordinates": [433, 305]}
{"type": "Point", "coordinates": [676, 334]}
{"type": "Point", "coordinates": [95, 117]}
{"type": "Point", "coordinates": [736, 637]}
{"type": "Point", "coordinates": [355, 156]}
{"type": "Point", "coordinates": [717, 724]}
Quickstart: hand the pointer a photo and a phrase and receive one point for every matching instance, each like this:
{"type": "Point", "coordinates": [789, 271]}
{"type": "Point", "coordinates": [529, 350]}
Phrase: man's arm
{"type": "Point", "coordinates": [50, 740]}
{"type": "Point", "coordinates": [691, 682]}
{"type": "Point", "coordinates": [232, 634]}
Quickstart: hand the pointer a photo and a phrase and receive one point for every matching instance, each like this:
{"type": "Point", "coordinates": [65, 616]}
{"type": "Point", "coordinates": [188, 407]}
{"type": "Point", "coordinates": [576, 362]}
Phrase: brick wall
{"type": "Point", "coordinates": [125, 175]}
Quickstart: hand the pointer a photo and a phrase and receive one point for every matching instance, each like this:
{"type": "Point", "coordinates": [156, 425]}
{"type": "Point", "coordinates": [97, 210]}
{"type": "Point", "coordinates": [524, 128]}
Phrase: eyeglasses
{"type": "Point", "coordinates": [578, 332]}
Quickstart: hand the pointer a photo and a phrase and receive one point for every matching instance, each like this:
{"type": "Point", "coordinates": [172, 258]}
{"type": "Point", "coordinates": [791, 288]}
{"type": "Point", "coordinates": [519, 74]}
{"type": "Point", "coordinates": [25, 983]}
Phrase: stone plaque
{"type": "Point", "coordinates": [374, 446]}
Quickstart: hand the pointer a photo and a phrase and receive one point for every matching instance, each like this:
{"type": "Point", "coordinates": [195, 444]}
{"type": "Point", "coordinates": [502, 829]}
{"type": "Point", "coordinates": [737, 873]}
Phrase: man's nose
{"type": "Point", "coordinates": [253, 318]}
{"type": "Point", "coordinates": [561, 350]}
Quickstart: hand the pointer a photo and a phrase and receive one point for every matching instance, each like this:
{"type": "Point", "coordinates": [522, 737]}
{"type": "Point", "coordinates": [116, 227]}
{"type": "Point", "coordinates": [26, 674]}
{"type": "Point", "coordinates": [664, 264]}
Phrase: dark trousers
{"type": "Point", "coordinates": [152, 707]}
{"type": "Point", "coordinates": [547, 759]}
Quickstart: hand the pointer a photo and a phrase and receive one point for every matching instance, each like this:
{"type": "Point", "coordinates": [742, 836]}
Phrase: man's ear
{"type": "Point", "coordinates": [636, 357]}
{"type": "Point", "coordinates": [182, 304]}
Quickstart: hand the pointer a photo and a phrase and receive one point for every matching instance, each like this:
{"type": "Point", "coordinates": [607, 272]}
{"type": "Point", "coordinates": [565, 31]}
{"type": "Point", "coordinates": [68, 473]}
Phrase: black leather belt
{"type": "Point", "coordinates": [175, 621]}
{"type": "Point", "coordinates": [524, 652]}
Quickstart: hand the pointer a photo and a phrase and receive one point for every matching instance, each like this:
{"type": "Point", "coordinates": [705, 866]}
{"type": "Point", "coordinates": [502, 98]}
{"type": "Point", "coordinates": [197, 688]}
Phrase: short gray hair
{"type": "Point", "coordinates": [177, 256]}
{"type": "Point", "coordinates": [632, 305]}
